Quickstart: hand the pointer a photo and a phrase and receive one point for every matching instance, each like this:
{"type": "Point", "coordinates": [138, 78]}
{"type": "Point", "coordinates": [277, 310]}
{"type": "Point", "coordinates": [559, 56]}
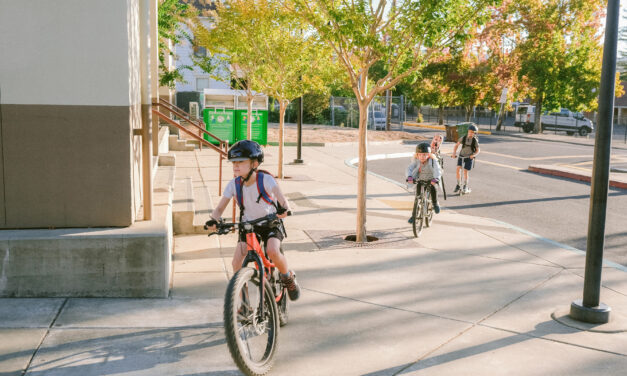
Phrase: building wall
{"type": "Point", "coordinates": [183, 53]}
{"type": "Point", "coordinates": [69, 100]}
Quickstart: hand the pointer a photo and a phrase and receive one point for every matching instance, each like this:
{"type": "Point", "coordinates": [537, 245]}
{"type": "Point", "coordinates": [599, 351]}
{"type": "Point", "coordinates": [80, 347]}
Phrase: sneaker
{"type": "Point", "coordinates": [410, 220]}
{"type": "Point", "coordinates": [436, 208]}
{"type": "Point", "coordinates": [466, 189]}
{"type": "Point", "coordinates": [293, 289]}
{"type": "Point", "coordinates": [456, 189]}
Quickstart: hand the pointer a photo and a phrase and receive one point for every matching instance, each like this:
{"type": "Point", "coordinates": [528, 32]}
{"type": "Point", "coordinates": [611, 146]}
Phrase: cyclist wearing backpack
{"type": "Point", "coordinates": [258, 195]}
{"type": "Point", "coordinates": [470, 150]}
{"type": "Point", "coordinates": [424, 166]}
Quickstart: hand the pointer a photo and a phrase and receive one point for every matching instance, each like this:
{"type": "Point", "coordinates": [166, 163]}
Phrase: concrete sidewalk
{"type": "Point", "coordinates": [471, 296]}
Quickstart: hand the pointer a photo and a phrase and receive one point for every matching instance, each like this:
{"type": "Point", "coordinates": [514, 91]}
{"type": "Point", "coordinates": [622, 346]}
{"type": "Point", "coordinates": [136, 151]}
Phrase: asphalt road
{"type": "Point", "coordinates": [552, 207]}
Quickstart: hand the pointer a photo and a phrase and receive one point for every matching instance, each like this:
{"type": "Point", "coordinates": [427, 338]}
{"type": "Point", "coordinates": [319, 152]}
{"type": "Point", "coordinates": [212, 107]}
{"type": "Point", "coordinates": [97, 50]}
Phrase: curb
{"type": "Point", "coordinates": [573, 175]}
{"type": "Point", "coordinates": [438, 127]}
{"type": "Point", "coordinates": [324, 144]}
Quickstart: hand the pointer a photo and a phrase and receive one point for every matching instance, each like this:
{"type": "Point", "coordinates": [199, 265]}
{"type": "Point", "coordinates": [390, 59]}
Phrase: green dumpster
{"type": "Point", "coordinates": [259, 126]}
{"type": "Point", "coordinates": [462, 129]}
{"type": "Point", "coordinates": [221, 123]}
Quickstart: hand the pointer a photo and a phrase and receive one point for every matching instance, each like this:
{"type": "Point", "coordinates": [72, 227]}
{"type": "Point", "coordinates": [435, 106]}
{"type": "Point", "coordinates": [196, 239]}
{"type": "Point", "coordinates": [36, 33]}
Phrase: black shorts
{"type": "Point", "coordinates": [265, 233]}
{"type": "Point", "coordinates": [468, 163]}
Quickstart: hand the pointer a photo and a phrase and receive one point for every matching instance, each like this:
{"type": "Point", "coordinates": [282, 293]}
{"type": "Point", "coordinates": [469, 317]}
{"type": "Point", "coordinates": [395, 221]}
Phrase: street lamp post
{"type": "Point", "coordinates": [299, 132]}
{"type": "Point", "coordinates": [590, 309]}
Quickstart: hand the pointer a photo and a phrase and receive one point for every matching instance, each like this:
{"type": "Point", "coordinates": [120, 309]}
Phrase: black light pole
{"type": "Point", "coordinates": [299, 126]}
{"type": "Point", "coordinates": [590, 309]}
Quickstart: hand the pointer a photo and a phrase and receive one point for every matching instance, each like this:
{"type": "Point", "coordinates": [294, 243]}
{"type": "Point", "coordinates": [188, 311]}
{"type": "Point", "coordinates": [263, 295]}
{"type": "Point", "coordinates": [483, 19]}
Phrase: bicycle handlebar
{"type": "Point", "coordinates": [225, 227]}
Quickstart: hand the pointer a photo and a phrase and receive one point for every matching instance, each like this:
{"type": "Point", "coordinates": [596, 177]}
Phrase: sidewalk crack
{"type": "Point", "coordinates": [43, 338]}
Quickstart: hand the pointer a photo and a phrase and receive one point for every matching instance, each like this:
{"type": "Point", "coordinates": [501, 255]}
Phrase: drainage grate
{"type": "Point", "coordinates": [392, 238]}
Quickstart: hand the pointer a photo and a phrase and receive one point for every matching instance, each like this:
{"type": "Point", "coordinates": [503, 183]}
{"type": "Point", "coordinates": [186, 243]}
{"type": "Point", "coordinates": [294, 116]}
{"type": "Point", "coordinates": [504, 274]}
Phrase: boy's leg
{"type": "Point", "coordinates": [288, 278]}
{"type": "Point", "coordinates": [238, 257]}
{"type": "Point", "coordinates": [434, 198]}
{"type": "Point", "coordinates": [274, 252]}
{"type": "Point", "coordinates": [458, 174]}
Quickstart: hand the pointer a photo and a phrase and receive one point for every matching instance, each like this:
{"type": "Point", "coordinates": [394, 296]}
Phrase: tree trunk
{"type": "Point", "coordinates": [363, 167]}
{"type": "Point", "coordinates": [468, 113]}
{"type": "Point", "coordinates": [538, 113]}
{"type": "Point", "coordinates": [282, 107]}
{"type": "Point", "coordinates": [441, 115]}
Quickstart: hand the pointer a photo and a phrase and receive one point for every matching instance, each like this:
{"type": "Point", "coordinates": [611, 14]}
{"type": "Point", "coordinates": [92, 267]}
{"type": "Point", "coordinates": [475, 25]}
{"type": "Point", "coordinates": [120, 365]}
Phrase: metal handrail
{"type": "Point", "coordinates": [222, 149]}
{"type": "Point", "coordinates": [185, 116]}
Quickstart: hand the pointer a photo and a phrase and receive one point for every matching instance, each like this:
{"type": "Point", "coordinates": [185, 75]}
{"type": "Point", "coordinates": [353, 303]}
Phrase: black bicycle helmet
{"type": "Point", "coordinates": [244, 150]}
{"type": "Point", "coordinates": [472, 127]}
{"type": "Point", "coordinates": [423, 148]}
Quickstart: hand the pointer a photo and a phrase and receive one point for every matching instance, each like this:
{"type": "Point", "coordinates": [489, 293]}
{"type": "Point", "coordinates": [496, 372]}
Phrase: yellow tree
{"type": "Point", "coordinates": [290, 62]}
{"type": "Point", "coordinates": [404, 34]}
{"type": "Point", "coordinates": [234, 40]}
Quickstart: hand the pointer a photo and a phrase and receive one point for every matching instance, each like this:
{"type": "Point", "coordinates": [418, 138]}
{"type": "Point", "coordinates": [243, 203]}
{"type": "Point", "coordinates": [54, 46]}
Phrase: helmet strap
{"type": "Point", "coordinates": [253, 169]}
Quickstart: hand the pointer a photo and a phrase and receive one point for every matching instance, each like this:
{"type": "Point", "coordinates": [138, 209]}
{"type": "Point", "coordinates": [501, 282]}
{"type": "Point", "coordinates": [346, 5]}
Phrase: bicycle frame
{"type": "Point", "coordinates": [257, 255]}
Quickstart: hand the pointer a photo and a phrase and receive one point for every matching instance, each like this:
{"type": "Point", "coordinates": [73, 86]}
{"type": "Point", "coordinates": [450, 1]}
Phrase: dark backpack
{"type": "Point", "coordinates": [474, 144]}
{"type": "Point", "coordinates": [260, 188]}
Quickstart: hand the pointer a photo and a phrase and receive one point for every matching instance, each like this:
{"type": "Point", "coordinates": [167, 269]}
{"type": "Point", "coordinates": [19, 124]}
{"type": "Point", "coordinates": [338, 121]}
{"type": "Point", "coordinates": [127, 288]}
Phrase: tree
{"type": "Point", "coordinates": [172, 16]}
{"type": "Point", "coordinates": [290, 62]}
{"type": "Point", "coordinates": [560, 55]}
{"type": "Point", "coordinates": [234, 40]}
{"type": "Point", "coordinates": [277, 53]}
{"type": "Point", "coordinates": [404, 34]}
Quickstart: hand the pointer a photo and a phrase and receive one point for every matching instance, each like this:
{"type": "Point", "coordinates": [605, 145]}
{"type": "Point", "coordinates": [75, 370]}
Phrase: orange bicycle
{"type": "Point", "coordinates": [255, 304]}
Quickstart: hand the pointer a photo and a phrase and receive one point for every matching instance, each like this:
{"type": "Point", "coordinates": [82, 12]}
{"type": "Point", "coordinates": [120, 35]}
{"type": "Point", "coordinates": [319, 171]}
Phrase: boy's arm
{"type": "Point", "coordinates": [437, 171]}
{"type": "Point", "coordinates": [455, 150]}
{"type": "Point", "coordinates": [477, 152]}
{"type": "Point", "coordinates": [411, 169]}
{"type": "Point", "coordinates": [281, 199]}
{"type": "Point", "coordinates": [217, 212]}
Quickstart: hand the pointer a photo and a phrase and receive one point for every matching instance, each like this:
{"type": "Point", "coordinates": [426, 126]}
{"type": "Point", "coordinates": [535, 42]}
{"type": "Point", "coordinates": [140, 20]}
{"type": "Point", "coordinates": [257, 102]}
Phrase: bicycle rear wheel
{"type": "Point", "coordinates": [252, 338]}
{"type": "Point", "coordinates": [283, 307]}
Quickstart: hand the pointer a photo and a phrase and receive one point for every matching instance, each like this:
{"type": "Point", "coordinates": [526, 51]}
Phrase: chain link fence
{"type": "Point", "coordinates": [344, 112]}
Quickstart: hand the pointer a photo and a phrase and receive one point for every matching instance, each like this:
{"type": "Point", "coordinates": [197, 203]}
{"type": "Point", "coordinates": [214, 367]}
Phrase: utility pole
{"type": "Point", "coordinates": [590, 309]}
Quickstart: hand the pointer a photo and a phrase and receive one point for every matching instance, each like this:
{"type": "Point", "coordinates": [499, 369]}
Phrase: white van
{"type": "Point", "coordinates": [565, 120]}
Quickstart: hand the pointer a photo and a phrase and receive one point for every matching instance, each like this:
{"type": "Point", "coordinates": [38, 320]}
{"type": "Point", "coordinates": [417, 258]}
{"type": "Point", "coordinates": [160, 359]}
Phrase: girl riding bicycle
{"type": "Point", "coordinates": [425, 167]}
{"type": "Point", "coordinates": [258, 195]}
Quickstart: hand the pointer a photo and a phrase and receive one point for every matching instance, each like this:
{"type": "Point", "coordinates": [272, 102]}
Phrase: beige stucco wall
{"type": "Point", "coordinates": [70, 97]}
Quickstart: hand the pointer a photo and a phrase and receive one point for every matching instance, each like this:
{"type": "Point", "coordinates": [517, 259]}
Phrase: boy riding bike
{"type": "Point", "coordinates": [258, 195]}
{"type": "Point", "coordinates": [425, 167]}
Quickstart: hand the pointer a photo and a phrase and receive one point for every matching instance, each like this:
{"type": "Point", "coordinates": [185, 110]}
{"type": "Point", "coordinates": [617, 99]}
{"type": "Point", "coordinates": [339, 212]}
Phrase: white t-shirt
{"type": "Point", "coordinates": [252, 209]}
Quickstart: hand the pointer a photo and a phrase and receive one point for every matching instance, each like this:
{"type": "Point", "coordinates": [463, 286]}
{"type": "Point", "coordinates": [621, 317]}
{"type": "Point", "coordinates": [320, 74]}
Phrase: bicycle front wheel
{"type": "Point", "coordinates": [252, 337]}
{"type": "Point", "coordinates": [418, 212]}
{"type": "Point", "coordinates": [427, 206]}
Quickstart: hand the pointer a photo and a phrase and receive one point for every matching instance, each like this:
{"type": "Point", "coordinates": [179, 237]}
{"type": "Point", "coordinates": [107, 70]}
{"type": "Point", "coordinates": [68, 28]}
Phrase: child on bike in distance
{"type": "Point", "coordinates": [470, 149]}
{"type": "Point", "coordinates": [246, 156]}
{"type": "Point", "coordinates": [425, 167]}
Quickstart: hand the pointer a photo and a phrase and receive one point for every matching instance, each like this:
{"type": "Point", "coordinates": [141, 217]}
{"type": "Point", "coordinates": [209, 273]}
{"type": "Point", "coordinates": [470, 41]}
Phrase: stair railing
{"type": "Point", "coordinates": [222, 149]}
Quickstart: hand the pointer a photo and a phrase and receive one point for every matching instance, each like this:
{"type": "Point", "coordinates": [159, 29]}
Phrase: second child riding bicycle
{"type": "Point", "coordinates": [425, 167]}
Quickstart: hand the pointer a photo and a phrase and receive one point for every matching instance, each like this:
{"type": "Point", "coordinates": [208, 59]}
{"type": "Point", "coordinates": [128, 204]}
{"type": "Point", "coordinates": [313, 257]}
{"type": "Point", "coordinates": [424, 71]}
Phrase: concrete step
{"type": "Point", "coordinates": [183, 206]}
{"type": "Point", "coordinates": [203, 206]}
{"type": "Point", "coordinates": [191, 206]}
{"type": "Point", "coordinates": [179, 145]}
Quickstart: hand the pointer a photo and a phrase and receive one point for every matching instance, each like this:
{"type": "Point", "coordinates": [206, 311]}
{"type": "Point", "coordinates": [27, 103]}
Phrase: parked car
{"type": "Point", "coordinates": [565, 120]}
{"type": "Point", "coordinates": [378, 119]}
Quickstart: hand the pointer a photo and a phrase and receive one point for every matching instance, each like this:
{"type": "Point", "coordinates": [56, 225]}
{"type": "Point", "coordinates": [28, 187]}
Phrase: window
{"type": "Point", "coordinates": [202, 83]}
{"type": "Point", "coordinates": [200, 51]}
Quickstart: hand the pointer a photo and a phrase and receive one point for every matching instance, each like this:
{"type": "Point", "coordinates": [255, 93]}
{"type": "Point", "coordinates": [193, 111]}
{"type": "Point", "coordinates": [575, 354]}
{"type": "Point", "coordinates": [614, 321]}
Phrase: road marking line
{"type": "Point", "coordinates": [503, 165]}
